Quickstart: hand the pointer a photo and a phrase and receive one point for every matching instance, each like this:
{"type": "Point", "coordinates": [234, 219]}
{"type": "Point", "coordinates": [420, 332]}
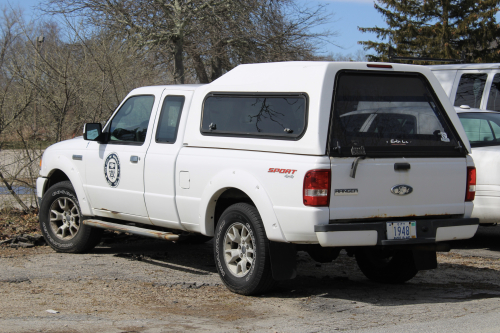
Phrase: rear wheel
{"type": "Point", "coordinates": [386, 265]}
{"type": "Point", "coordinates": [61, 221]}
{"type": "Point", "coordinates": [241, 251]}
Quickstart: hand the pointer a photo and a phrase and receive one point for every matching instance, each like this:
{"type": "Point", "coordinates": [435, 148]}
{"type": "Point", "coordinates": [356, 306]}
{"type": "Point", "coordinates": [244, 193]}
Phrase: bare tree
{"type": "Point", "coordinates": [15, 100]}
{"type": "Point", "coordinates": [211, 36]}
{"type": "Point", "coordinates": [59, 72]}
{"type": "Point", "coordinates": [48, 91]}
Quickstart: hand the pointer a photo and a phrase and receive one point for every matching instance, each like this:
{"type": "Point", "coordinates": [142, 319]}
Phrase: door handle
{"type": "Point", "coordinates": [134, 159]}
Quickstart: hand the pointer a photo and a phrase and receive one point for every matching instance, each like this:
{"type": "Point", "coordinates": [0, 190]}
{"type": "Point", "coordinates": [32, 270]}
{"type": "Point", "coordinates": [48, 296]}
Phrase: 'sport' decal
{"type": "Point", "coordinates": [277, 170]}
{"type": "Point", "coordinates": [287, 172]}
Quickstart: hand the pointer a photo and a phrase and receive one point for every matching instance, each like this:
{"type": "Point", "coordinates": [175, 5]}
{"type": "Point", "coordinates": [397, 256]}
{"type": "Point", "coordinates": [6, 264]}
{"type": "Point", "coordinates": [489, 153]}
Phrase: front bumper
{"type": "Point", "coordinates": [375, 233]}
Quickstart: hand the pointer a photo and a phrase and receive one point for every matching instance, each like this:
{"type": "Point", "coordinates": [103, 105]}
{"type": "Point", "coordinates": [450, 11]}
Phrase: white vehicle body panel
{"type": "Point", "coordinates": [436, 188]}
{"type": "Point", "coordinates": [60, 157]}
{"type": "Point", "coordinates": [280, 205]}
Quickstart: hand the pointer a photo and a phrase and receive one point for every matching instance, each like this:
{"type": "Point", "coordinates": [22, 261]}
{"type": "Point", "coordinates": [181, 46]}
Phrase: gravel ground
{"type": "Point", "coordinates": [143, 285]}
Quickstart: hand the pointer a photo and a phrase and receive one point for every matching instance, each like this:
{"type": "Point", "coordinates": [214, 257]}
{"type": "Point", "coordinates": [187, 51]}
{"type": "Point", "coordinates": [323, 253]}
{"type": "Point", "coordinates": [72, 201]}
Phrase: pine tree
{"type": "Point", "coordinates": [437, 29]}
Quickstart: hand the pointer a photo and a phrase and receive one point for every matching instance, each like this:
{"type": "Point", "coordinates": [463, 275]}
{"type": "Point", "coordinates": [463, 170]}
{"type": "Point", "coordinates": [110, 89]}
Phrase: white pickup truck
{"type": "Point", "coordinates": [270, 159]}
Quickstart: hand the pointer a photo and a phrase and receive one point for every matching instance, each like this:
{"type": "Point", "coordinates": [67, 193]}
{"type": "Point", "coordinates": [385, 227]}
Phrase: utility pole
{"type": "Point", "coordinates": [38, 46]}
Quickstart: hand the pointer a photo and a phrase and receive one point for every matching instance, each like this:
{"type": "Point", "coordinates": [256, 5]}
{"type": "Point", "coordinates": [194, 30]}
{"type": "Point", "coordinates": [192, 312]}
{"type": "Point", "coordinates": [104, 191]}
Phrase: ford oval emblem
{"type": "Point", "coordinates": [402, 189]}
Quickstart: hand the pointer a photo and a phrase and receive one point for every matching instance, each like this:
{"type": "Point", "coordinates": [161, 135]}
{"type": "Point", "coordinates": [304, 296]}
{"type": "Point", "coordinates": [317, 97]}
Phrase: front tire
{"type": "Point", "coordinates": [61, 221]}
{"type": "Point", "coordinates": [386, 265]}
{"type": "Point", "coordinates": [241, 251]}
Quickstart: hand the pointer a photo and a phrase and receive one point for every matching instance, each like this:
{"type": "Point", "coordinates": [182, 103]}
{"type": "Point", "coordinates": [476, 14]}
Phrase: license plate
{"type": "Point", "coordinates": [402, 230]}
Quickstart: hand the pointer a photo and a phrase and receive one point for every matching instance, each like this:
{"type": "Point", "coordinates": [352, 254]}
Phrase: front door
{"type": "Point", "coordinates": [115, 169]}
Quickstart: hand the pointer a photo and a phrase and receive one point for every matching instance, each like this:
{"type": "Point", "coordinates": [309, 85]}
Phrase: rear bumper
{"type": "Point", "coordinates": [374, 233]}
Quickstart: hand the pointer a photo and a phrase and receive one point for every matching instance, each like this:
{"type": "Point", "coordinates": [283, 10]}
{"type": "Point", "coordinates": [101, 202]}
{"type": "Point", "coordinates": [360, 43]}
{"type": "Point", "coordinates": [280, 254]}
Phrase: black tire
{"type": "Point", "coordinates": [66, 232]}
{"type": "Point", "coordinates": [386, 265]}
{"type": "Point", "coordinates": [240, 275]}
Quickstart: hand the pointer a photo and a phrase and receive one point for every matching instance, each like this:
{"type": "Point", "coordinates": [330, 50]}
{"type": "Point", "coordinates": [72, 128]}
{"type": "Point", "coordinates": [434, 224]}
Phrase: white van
{"type": "Point", "coordinates": [474, 85]}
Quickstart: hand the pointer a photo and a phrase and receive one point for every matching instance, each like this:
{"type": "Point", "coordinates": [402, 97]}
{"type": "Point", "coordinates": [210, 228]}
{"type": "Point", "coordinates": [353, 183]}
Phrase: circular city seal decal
{"type": "Point", "coordinates": [112, 170]}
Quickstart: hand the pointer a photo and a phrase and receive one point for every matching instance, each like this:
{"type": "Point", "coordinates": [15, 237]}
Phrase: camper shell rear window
{"type": "Point", "coordinates": [275, 116]}
{"type": "Point", "coordinates": [389, 114]}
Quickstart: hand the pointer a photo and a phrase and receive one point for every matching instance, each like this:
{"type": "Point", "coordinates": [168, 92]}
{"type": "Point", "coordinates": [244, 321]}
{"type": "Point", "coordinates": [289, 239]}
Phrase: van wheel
{"type": "Point", "coordinates": [241, 251]}
{"type": "Point", "coordinates": [61, 221]}
{"type": "Point", "coordinates": [386, 265]}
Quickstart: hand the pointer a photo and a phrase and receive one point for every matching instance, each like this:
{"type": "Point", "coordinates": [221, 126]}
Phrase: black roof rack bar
{"type": "Point", "coordinates": [392, 57]}
{"type": "Point", "coordinates": [425, 59]}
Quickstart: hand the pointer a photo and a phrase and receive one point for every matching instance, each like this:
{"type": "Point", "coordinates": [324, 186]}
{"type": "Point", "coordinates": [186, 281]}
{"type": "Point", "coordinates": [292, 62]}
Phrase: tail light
{"type": "Point", "coordinates": [470, 193]}
{"type": "Point", "coordinates": [317, 188]}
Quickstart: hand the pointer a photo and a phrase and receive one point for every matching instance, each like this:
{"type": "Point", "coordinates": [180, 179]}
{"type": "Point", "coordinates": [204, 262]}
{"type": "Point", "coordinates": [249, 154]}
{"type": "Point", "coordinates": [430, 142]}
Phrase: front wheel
{"type": "Point", "coordinates": [61, 221]}
{"type": "Point", "coordinates": [386, 265]}
{"type": "Point", "coordinates": [241, 251]}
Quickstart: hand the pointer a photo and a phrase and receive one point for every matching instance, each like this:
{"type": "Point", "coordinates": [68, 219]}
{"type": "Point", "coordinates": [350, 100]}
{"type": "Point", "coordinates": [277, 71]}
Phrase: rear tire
{"type": "Point", "coordinates": [386, 265]}
{"type": "Point", "coordinates": [241, 251]}
{"type": "Point", "coordinates": [61, 221]}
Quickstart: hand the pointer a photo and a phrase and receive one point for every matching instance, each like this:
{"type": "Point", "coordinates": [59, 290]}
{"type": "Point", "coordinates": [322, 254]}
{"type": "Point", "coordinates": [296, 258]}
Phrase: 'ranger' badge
{"type": "Point", "coordinates": [402, 189]}
{"type": "Point", "coordinates": [112, 170]}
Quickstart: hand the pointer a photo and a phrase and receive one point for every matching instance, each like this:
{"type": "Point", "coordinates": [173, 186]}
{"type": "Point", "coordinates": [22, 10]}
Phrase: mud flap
{"type": "Point", "coordinates": [425, 259]}
{"type": "Point", "coordinates": [283, 260]}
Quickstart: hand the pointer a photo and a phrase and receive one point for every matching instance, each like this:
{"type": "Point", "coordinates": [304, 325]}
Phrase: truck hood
{"type": "Point", "coordinates": [75, 143]}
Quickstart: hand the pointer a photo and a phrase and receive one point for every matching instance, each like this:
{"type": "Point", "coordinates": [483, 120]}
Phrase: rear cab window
{"type": "Point", "coordinates": [278, 116]}
{"type": "Point", "coordinates": [389, 114]}
{"type": "Point", "coordinates": [170, 115]}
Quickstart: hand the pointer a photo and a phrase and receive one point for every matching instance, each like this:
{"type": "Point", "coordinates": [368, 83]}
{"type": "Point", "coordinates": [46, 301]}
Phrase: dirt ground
{"type": "Point", "coordinates": [144, 285]}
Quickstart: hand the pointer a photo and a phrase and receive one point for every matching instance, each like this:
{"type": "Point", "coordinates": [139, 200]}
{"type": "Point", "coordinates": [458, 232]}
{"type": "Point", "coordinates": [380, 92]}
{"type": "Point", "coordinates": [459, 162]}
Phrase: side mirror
{"type": "Point", "coordinates": [92, 132]}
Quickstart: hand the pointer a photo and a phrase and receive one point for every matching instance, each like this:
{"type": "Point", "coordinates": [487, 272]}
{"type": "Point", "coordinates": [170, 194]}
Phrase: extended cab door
{"type": "Point", "coordinates": [160, 173]}
{"type": "Point", "coordinates": [115, 169]}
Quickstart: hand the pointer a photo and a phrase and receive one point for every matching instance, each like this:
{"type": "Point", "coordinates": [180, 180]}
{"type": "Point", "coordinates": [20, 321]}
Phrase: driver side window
{"type": "Point", "coordinates": [130, 123]}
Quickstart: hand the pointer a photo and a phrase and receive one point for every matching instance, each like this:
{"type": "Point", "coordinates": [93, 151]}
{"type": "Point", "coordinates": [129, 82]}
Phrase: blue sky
{"type": "Point", "coordinates": [349, 14]}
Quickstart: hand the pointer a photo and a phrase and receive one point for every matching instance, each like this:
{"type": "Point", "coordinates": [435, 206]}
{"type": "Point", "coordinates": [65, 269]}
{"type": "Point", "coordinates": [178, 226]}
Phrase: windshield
{"type": "Point", "coordinates": [389, 114]}
{"type": "Point", "coordinates": [482, 128]}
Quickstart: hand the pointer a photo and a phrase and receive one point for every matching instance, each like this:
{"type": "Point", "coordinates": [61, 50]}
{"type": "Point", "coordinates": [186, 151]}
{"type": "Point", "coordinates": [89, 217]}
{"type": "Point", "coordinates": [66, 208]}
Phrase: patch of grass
{"type": "Point", "coordinates": [13, 222]}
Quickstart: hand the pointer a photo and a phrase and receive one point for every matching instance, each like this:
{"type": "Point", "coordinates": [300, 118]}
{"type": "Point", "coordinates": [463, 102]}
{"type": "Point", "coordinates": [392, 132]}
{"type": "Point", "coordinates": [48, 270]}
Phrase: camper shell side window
{"type": "Point", "coordinates": [275, 116]}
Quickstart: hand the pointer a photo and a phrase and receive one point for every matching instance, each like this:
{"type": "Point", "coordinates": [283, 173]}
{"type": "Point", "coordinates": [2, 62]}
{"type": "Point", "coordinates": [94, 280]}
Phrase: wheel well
{"type": "Point", "coordinates": [55, 177]}
{"type": "Point", "coordinates": [227, 198]}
